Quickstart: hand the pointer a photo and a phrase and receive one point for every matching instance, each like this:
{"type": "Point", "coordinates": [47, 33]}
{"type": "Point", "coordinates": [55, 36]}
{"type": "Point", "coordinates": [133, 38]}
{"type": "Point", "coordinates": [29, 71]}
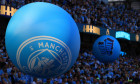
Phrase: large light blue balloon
{"type": "Point", "coordinates": [106, 49]}
{"type": "Point", "coordinates": [42, 40]}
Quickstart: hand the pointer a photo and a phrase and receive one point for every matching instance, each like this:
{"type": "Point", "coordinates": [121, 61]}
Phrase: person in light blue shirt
{"type": "Point", "coordinates": [82, 18]}
{"type": "Point", "coordinates": [73, 82]}
{"type": "Point", "coordinates": [5, 79]}
{"type": "Point", "coordinates": [1, 72]}
{"type": "Point", "coordinates": [88, 82]}
{"type": "Point", "coordinates": [52, 81]}
{"type": "Point", "coordinates": [59, 80]}
{"type": "Point", "coordinates": [9, 70]}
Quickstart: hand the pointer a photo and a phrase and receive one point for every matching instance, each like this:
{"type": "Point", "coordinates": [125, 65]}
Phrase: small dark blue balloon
{"type": "Point", "coordinates": [106, 49]}
{"type": "Point", "coordinates": [42, 40]}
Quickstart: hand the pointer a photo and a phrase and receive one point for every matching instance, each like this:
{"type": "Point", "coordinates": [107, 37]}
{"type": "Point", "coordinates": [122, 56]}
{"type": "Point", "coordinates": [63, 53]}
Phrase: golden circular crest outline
{"type": "Point", "coordinates": [30, 40]}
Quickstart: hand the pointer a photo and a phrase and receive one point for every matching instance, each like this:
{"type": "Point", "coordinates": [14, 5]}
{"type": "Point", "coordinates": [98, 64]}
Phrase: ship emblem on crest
{"type": "Point", "coordinates": [44, 54]}
{"type": "Point", "coordinates": [106, 46]}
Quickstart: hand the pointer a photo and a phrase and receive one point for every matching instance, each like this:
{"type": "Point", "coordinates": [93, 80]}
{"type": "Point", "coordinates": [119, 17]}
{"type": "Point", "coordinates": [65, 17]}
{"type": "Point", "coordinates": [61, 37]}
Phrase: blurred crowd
{"type": "Point", "coordinates": [86, 70]}
{"type": "Point", "coordinates": [95, 12]}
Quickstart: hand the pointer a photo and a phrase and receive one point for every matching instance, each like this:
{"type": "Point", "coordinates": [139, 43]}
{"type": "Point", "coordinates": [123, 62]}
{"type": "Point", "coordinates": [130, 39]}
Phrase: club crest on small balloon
{"type": "Point", "coordinates": [106, 46]}
{"type": "Point", "coordinates": [106, 49]}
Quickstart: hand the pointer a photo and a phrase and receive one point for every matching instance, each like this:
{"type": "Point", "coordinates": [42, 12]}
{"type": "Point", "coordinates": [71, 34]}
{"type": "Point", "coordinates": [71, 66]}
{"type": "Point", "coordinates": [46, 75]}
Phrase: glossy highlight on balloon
{"type": "Point", "coordinates": [42, 40]}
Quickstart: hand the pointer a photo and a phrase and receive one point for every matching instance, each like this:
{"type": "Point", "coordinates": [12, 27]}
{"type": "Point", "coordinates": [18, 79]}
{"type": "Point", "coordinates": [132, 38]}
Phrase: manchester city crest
{"type": "Point", "coordinates": [106, 49]}
{"type": "Point", "coordinates": [44, 54]}
{"type": "Point", "coordinates": [106, 46]}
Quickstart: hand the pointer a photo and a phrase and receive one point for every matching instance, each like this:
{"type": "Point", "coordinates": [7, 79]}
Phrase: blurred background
{"type": "Point", "coordinates": [118, 18]}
